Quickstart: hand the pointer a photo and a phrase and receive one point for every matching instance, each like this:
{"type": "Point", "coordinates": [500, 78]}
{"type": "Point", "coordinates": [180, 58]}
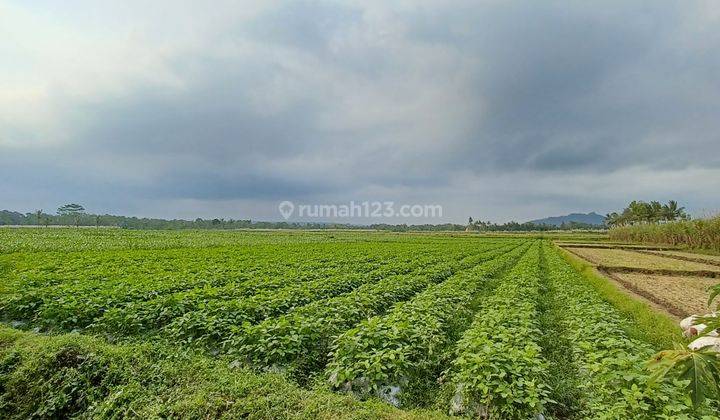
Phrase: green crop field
{"type": "Point", "coordinates": [110, 323]}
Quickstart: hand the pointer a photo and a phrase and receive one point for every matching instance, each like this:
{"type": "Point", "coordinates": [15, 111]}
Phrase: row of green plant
{"type": "Point", "coordinates": [216, 322]}
{"type": "Point", "coordinates": [44, 277]}
{"type": "Point", "coordinates": [613, 374]}
{"type": "Point", "coordinates": [234, 305]}
{"type": "Point", "coordinates": [76, 240]}
{"type": "Point", "coordinates": [81, 297]}
{"type": "Point", "coordinates": [189, 267]}
{"type": "Point", "coordinates": [499, 370]}
{"type": "Point", "coordinates": [301, 339]}
{"type": "Point", "coordinates": [411, 342]}
{"type": "Point", "coordinates": [117, 279]}
{"type": "Point", "coordinates": [696, 234]}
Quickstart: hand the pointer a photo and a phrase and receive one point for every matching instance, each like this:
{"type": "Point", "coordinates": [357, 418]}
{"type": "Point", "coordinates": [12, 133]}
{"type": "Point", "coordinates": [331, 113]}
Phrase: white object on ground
{"type": "Point", "coordinates": [688, 322]}
{"type": "Point", "coordinates": [690, 329]}
{"type": "Point", "coordinates": [706, 341]}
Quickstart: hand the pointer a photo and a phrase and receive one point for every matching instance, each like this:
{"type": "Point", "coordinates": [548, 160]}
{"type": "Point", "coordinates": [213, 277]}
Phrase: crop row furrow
{"type": "Point", "coordinates": [302, 338]}
{"type": "Point", "coordinates": [70, 307]}
{"type": "Point", "coordinates": [214, 322]}
{"type": "Point", "coordinates": [411, 341]}
{"type": "Point", "coordinates": [499, 370]}
{"type": "Point", "coordinates": [242, 303]}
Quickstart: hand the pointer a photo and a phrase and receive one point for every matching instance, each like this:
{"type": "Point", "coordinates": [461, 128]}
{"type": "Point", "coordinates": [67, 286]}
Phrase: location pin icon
{"type": "Point", "coordinates": [286, 209]}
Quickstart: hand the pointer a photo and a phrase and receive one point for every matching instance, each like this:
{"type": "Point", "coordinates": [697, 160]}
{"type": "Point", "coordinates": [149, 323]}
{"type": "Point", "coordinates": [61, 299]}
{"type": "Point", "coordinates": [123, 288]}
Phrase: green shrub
{"type": "Point", "coordinates": [72, 376]}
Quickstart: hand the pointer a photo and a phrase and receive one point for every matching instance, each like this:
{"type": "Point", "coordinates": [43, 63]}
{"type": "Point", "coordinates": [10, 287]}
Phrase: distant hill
{"type": "Point", "coordinates": [589, 218]}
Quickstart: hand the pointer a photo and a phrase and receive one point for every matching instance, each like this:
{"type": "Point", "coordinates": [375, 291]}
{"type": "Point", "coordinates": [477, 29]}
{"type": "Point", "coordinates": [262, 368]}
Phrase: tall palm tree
{"type": "Point", "coordinates": [655, 213]}
{"type": "Point", "coordinates": [673, 211]}
{"type": "Point", "coordinates": [637, 212]}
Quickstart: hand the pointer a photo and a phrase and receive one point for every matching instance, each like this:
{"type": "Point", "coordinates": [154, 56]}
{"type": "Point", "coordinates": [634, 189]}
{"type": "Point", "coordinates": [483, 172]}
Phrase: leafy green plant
{"type": "Point", "coordinates": [413, 338]}
{"type": "Point", "coordinates": [303, 337]}
{"type": "Point", "coordinates": [699, 369]}
{"type": "Point", "coordinates": [499, 368]}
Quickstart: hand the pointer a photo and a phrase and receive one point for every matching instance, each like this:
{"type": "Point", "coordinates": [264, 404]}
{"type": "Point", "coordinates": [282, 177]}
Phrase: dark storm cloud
{"type": "Point", "coordinates": [212, 121]}
{"type": "Point", "coordinates": [336, 100]}
{"type": "Point", "coordinates": [569, 86]}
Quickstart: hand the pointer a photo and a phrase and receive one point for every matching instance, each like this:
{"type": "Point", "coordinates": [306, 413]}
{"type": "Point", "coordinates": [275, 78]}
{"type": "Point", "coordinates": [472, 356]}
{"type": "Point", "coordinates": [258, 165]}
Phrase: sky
{"type": "Point", "coordinates": [499, 110]}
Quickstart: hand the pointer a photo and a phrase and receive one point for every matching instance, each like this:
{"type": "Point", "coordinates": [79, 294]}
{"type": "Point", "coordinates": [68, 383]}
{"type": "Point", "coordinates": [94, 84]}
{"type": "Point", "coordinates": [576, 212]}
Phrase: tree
{"type": "Point", "coordinates": [72, 210]}
{"type": "Point", "coordinates": [655, 211]}
{"type": "Point", "coordinates": [671, 211]}
{"type": "Point", "coordinates": [642, 212]}
{"type": "Point", "coordinates": [613, 219]}
{"type": "Point", "coordinates": [637, 211]}
{"type": "Point", "coordinates": [39, 215]}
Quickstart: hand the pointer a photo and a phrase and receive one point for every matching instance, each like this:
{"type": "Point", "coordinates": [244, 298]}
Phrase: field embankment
{"type": "Point", "coordinates": [73, 375]}
{"type": "Point", "coordinates": [695, 234]}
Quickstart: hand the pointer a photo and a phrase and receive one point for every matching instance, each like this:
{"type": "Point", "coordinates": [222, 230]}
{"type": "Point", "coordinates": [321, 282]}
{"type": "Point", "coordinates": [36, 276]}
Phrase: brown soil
{"type": "Point", "coordinates": [688, 256]}
{"type": "Point", "coordinates": [681, 295]}
{"type": "Point", "coordinates": [615, 246]}
{"type": "Point", "coordinates": [641, 296]}
{"type": "Point", "coordinates": [631, 260]}
{"type": "Point", "coordinates": [674, 291]}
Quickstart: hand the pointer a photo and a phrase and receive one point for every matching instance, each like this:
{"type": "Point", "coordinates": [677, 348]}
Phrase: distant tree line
{"type": "Point", "coordinates": [75, 215]}
{"type": "Point", "coordinates": [641, 212]}
{"type": "Point", "coordinates": [512, 226]}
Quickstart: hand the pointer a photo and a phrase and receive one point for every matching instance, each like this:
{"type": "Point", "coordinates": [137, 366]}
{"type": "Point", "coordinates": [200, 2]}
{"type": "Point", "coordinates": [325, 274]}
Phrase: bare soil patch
{"type": "Point", "coordinates": [613, 246]}
{"type": "Point", "coordinates": [638, 261]}
{"type": "Point", "coordinates": [689, 256]}
{"type": "Point", "coordinates": [681, 295]}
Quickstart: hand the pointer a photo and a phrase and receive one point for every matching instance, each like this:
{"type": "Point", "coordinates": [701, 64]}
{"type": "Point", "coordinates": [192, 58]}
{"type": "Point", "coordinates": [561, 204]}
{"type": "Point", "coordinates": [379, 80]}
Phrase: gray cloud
{"type": "Point", "coordinates": [485, 107]}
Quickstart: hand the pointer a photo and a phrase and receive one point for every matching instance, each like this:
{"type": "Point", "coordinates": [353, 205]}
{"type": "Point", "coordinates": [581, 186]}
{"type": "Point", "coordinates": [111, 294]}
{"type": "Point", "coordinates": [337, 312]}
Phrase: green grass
{"type": "Point", "coordinates": [70, 375]}
{"type": "Point", "coordinates": [646, 324]}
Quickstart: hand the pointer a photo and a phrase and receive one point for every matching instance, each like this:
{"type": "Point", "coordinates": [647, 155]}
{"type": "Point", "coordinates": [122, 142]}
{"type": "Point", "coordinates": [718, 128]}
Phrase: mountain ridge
{"type": "Point", "coordinates": [591, 218]}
